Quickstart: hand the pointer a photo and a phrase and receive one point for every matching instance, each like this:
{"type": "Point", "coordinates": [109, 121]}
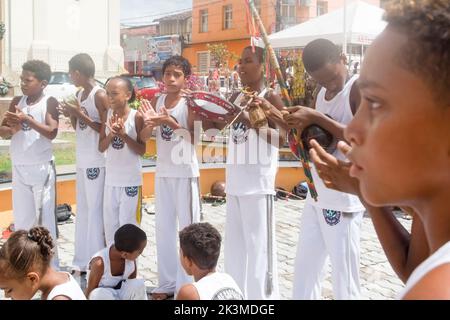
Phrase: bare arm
{"type": "Point", "coordinates": [276, 122]}
{"type": "Point", "coordinates": [50, 129]}
{"type": "Point", "coordinates": [301, 117]}
{"type": "Point", "coordinates": [104, 139]}
{"type": "Point", "coordinates": [76, 114]}
{"type": "Point", "coordinates": [97, 268]}
{"type": "Point", "coordinates": [404, 250]}
{"type": "Point", "coordinates": [188, 292]}
{"type": "Point", "coordinates": [101, 103]}
{"type": "Point", "coordinates": [191, 128]}
{"type": "Point", "coordinates": [134, 274]}
{"type": "Point", "coordinates": [6, 130]}
{"type": "Point", "coordinates": [73, 122]}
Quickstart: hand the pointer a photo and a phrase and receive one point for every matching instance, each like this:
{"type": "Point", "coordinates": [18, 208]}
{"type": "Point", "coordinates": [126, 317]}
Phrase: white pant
{"type": "Point", "coordinates": [33, 189]}
{"type": "Point", "coordinates": [89, 233]}
{"type": "Point", "coordinates": [121, 205]}
{"type": "Point", "coordinates": [337, 235]}
{"type": "Point", "coordinates": [246, 245]}
{"type": "Point", "coordinates": [131, 289]}
{"type": "Point", "coordinates": [174, 198]}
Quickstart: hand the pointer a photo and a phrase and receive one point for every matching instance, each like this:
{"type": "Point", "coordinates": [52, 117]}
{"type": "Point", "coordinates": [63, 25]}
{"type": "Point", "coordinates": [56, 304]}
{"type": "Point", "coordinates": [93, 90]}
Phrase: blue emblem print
{"type": "Point", "coordinates": [166, 132]}
{"type": "Point", "coordinates": [332, 217]}
{"type": "Point", "coordinates": [131, 191]}
{"type": "Point", "coordinates": [239, 133]}
{"type": "Point", "coordinates": [92, 173]}
{"type": "Point", "coordinates": [82, 124]}
{"type": "Point", "coordinates": [117, 143]}
{"type": "Point", "coordinates": [25, 126]}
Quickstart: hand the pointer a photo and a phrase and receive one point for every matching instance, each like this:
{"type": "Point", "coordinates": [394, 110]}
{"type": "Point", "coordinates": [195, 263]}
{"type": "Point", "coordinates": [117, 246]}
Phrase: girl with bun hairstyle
{"type": "Point", "coordinates": [25, 268]}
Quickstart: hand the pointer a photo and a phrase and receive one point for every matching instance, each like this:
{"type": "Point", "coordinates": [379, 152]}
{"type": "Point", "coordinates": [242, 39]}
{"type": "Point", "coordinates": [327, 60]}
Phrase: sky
{"type": "Point", "coordinates": [149, 9]}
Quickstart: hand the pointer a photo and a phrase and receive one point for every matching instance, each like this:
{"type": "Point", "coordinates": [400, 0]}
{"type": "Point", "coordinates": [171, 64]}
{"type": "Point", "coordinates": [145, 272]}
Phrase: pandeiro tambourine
{"type": "Point", "coordinates": [210, 106]}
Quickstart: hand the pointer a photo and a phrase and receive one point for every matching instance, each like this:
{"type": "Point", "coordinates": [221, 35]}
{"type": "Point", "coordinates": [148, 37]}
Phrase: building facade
{"type": "Point", "coordinates": [147, 47]}
{"type": "Point", "coordinates": [226, 22]}
{"type": "Point", "coordinates": [180, 24]}
{"type": "Point", "coordinates": [134, 41]}
{"type": "Point", "coordinates": [54, 31]}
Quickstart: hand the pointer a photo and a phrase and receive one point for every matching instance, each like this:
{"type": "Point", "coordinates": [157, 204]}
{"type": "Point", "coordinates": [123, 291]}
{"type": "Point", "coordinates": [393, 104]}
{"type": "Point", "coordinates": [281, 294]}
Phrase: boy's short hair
{"type": "Point", "coordinates": [178, 61]}
{"type": "Point", "coordinates": [426, 24]}
{"type": "Point", "coordinates": [40, 69]}
{"type": "Point", "coordinates": [200, 242]}
{"type": "Point", "coordinates": [82, 63]}
{"type": "Point", "coordinates": [318, 53]}
{"type": "Point", "coordinates": [129, 238]}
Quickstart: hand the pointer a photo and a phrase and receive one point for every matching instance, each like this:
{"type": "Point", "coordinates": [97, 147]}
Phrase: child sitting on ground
{"type": "Point", "coordinates": [113, 270]}
{"type": "Point", "coordinates": [199, 253]}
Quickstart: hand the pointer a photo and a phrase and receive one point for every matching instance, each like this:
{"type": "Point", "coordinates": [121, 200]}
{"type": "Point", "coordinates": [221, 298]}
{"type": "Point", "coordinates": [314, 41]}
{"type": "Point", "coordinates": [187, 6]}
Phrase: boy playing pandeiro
{"type": "Point", "coordinates": [177, 172]}
{"type": "Point", "coordinates": [113, 270]}
{"type": "Point", "coordinates": [32, 121]}
{"type": "Point", "coordinates": [86, 114]}
{"type": "Point", "coordinates": [199, 253]}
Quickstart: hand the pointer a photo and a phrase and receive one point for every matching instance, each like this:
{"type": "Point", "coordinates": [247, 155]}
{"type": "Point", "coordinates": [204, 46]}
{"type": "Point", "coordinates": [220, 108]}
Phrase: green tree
{"type": "Point", "coordinates": [221, 55]}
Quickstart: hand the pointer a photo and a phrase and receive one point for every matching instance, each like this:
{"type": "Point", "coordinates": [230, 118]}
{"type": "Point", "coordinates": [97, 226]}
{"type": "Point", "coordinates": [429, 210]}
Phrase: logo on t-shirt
{"type": "Point", "coordinates": [239, 133]}
{"type": "Point", "coordinates": [131, 191]}
{"type": "Point", "coordinates": [332, 217]}
{"type": "Point", "coordinates": [81, 123]}
{"type": "Point", "coordinates": [92, 173]}
{"type": "Point", "coordinates": [166, 132]}
{"type": "Point", "coordinates": [25, 126]}
{"type": "Point", "coordinates": [117, 143]}
{"type": "Point", "coordinates": [227, 294]}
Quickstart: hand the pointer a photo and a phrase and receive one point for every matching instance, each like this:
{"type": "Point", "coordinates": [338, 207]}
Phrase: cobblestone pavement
{"type": "Point", "coordinates": [378, 280]}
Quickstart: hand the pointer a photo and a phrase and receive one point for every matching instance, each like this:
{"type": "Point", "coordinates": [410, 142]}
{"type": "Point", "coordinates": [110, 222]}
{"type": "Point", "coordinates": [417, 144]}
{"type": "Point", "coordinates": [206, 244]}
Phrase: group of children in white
{"type": "Point", "coordinates": [111, 139]}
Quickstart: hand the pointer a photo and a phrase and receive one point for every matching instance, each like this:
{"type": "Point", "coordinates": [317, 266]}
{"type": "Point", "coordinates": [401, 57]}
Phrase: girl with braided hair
{"type": "Point", "coordinates": [25, 268]}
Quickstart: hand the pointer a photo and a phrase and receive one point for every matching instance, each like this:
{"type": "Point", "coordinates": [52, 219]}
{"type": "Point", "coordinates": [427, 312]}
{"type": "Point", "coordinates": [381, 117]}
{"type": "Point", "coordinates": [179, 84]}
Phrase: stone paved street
{"type": "Point", "coordinates": [377, 277]}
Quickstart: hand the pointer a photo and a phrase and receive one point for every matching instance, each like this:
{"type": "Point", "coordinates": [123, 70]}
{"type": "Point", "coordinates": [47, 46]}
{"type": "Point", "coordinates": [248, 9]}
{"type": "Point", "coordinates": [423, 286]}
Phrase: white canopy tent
{"type": "Point", "coordinates": [363, 23]}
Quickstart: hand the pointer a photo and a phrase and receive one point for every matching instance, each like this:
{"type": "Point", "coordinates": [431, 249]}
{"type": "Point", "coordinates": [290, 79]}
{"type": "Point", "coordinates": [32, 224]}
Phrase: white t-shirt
{"type": "Point", "coordinates": [252, 163]}
{"type": "Point", "coordinates": [29, 147]}
{"type": "Point", "coordinates": [70, 289]}
{"type": "Point", "coordinates": [108, 280]}
{"type": "Point", "coordinates": [218, 286]}
{"type": "Point", "coordinates": [123, 165]}
{"type": "Point", "coordinates": [440, 257]}
{"type": "Point", "coordinates": [88, 155]}
{"type": "Point", "coordinates": [340, 110]}
{"type": "Point", "coordinates": [176, 157]}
